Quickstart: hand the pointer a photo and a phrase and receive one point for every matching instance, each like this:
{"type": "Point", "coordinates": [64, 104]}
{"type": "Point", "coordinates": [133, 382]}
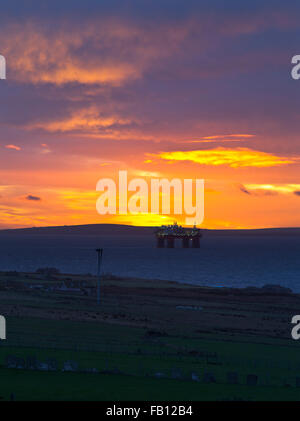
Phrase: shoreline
{"type": "Point", "coordinates": [267, 289]}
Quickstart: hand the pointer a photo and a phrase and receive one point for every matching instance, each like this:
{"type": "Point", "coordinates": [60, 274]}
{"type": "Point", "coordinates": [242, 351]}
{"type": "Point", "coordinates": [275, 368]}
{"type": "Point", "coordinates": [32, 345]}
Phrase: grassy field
{"type": "Point", "coordinates": [138, 331]}
{"type": "Point", "coordinates": [80, 387]}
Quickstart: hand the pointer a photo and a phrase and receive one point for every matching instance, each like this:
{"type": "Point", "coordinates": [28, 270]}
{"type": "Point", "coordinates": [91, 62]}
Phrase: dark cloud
{"type": "Point", "coordinates": [34, 198]}
{"type": "Point", "coordinates": [259, 192]}
{"type": "Point", "coordinates": [268, 193]}
{"type": "Point", "coordinates": [244, 190]}
{"type": "Point", "coordinates": [297, 192]}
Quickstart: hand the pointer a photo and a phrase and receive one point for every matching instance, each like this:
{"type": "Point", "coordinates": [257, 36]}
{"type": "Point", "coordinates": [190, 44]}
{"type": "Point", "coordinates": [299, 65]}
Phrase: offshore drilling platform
{"type": "Point", "coordinates": [167, 234]}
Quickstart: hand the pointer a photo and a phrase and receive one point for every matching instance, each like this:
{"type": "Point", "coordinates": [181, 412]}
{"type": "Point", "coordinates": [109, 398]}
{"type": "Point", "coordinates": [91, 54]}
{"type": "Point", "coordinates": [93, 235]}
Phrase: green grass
{"type": "Point", "coordinates": [121, 338]}
{"type": "Point", "coordinates": [76, 386]}
{"type": "Point", "coordinates": [108, 346]}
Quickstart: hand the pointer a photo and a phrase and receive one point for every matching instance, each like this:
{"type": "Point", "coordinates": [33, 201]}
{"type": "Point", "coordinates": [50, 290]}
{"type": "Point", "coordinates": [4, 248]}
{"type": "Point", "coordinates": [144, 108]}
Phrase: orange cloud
{"type": "Point", "coordinates": [229, 135]}
{"type": "Point", "coordinates": [235, 158]}
{"type": "Point", "coordinates": [273, 188]}
{"type": "Point", "coordinates": [16, 148]}
{"type": "Point", "coordinates": [107, 52]}
{"type": "Point", "coordinates": [221, 139]}
{"type": "Point", "coordinates": [85, 120]}
{"type": "Point", "coordinates": [37, 56]}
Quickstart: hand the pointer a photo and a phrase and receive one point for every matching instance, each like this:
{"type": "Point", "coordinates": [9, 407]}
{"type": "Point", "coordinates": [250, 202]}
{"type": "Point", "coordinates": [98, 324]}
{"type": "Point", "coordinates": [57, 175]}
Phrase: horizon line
{"type": "Point", "coordinates": [145, 226]}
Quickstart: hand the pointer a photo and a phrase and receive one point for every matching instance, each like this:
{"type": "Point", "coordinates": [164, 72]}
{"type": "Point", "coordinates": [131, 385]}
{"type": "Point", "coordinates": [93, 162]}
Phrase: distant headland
{"type": "Point", "coordinates": [124, 230]}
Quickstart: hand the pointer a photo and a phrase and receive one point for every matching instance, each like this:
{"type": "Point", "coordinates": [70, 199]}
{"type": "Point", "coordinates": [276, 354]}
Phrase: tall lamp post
{"type": "Point", "coordinates": [99, 254]}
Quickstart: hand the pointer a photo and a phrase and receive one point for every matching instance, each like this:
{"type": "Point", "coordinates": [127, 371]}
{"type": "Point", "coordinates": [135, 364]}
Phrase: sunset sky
{"type": "Point", "coordinates": [167, 88]}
